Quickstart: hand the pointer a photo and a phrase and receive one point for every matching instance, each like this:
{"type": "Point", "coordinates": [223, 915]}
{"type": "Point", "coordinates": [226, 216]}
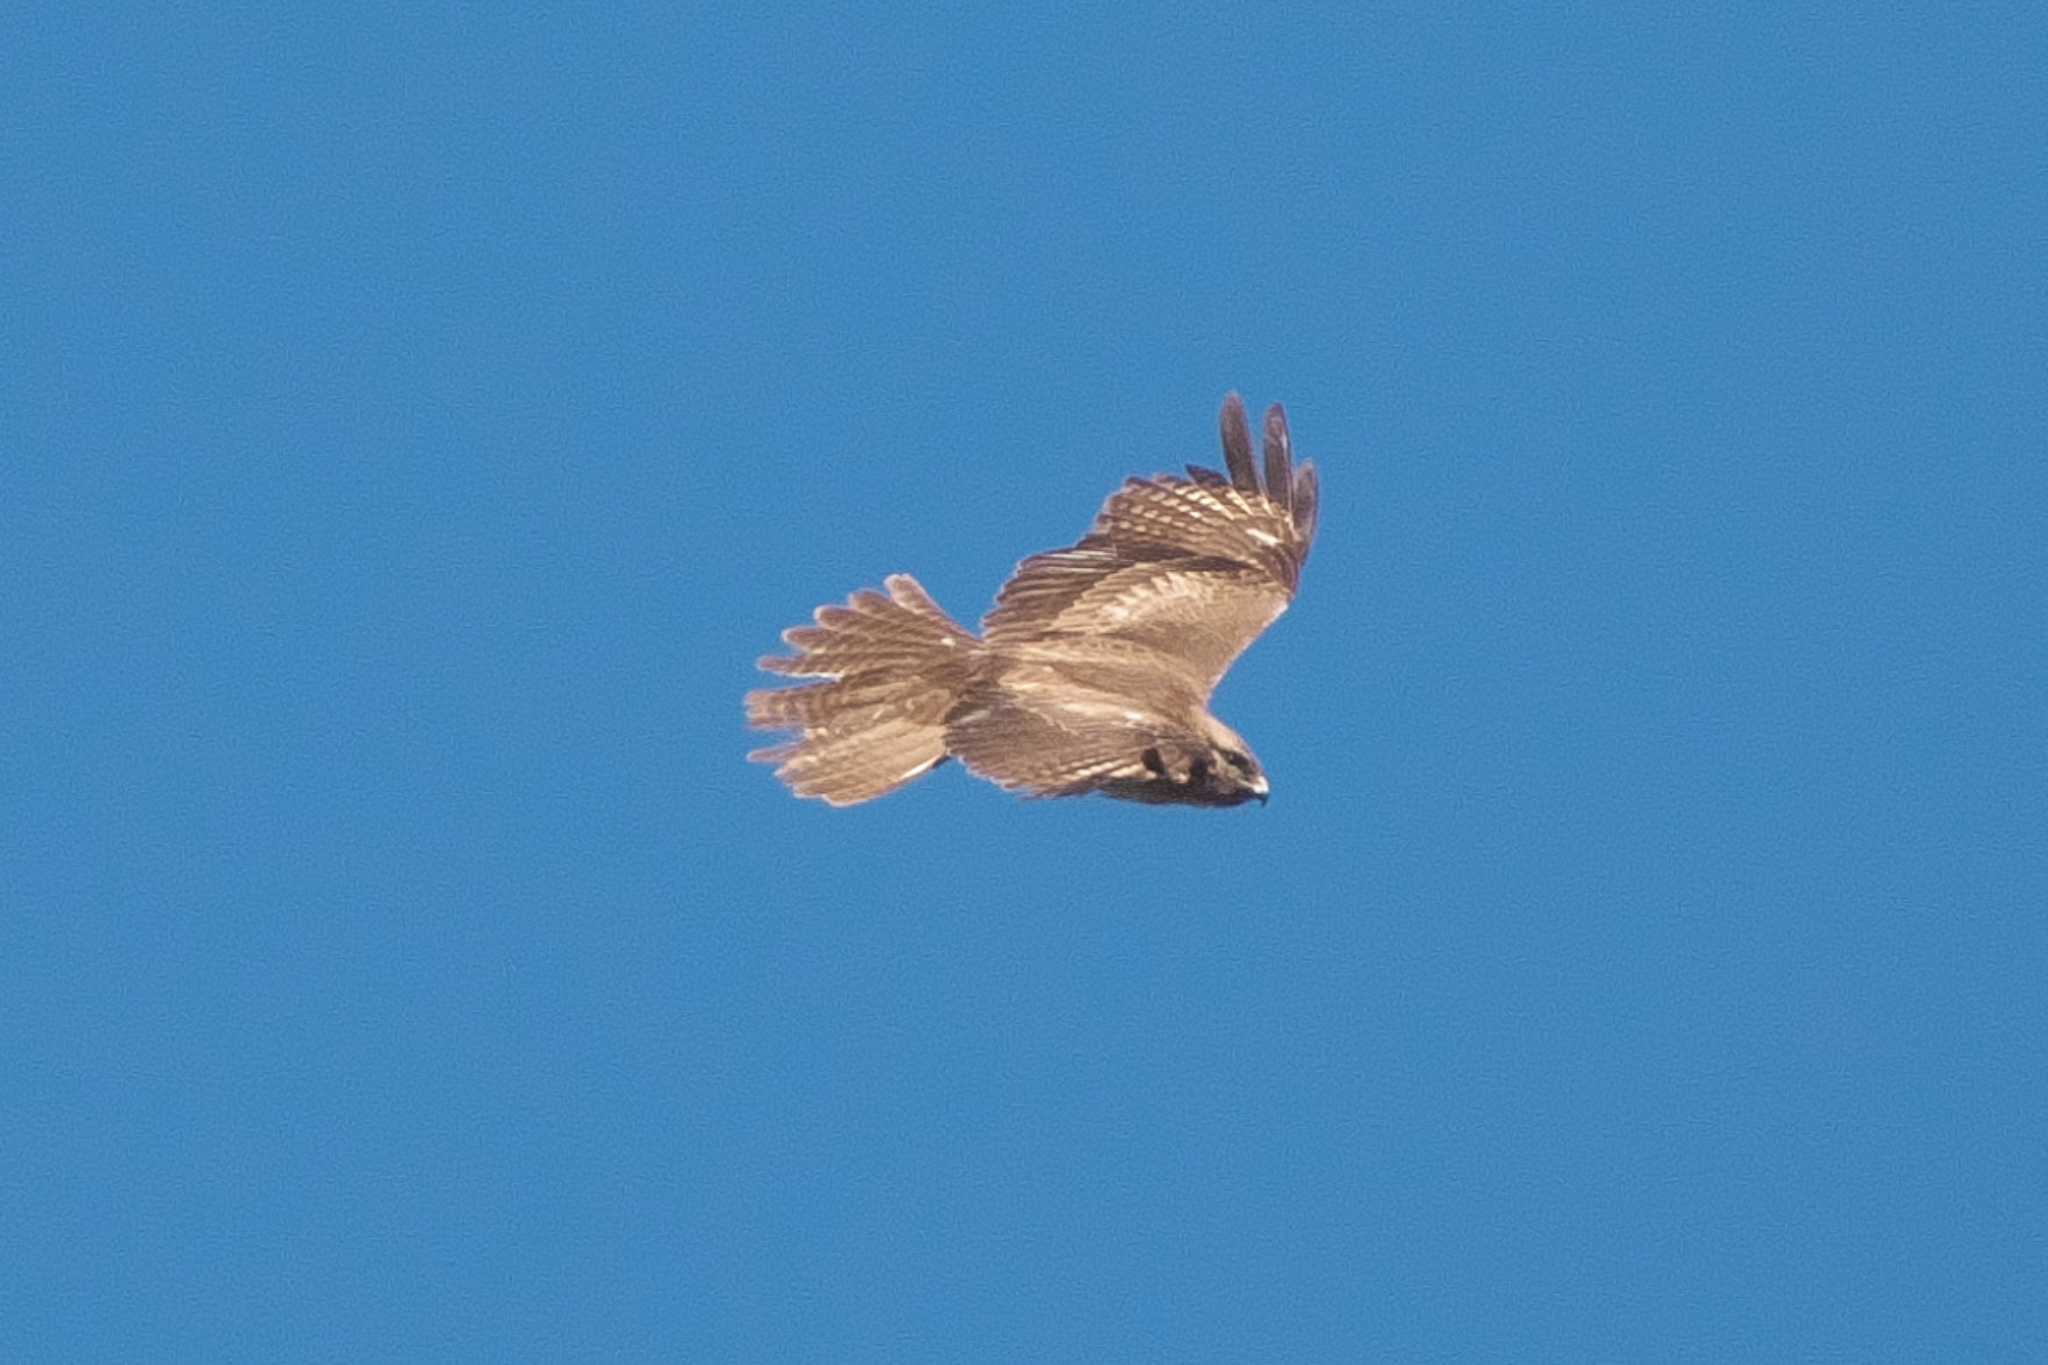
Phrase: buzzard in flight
{"type": "Point", "coordinates": [1094, 670]}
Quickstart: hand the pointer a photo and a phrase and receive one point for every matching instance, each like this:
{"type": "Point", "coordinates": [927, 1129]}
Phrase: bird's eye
{"type": "Point", "coordinates": [1237, 760]}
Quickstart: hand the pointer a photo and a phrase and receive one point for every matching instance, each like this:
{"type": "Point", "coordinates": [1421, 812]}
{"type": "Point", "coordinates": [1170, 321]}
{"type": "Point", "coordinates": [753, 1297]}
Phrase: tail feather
{"type": "Point", "coordinates": [869, 634]}
{"type": "Point", "coordinates": [845, 769]}
{"type": "Point", "coordinates": [892, 667]}
{"type": "Point", "coordinates": [816, 704]}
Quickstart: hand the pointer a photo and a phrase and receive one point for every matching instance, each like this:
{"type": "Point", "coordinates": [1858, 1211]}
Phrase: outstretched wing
{"type": "Point", "coordinates": [1193, 568]}
{"type": "Point", "coordinates": [1038, 745]}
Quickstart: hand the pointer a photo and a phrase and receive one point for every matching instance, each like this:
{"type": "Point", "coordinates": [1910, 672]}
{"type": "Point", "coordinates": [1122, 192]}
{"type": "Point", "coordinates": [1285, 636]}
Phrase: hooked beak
{"type": "Point", "coordinates": [1260, 789]}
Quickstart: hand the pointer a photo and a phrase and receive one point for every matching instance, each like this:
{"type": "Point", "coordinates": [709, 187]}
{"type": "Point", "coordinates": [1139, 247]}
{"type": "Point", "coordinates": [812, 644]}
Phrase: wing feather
{"type": "Point", "coordinates": [1305, 495]}
{"type": "Point", "coordinates": [1038, 751]}
{"type": "Point", "coordinates": [1191, 568]}
{"type": "Point", "coordinates": [1279, 458]}
{"type": "Point", "coordinates": [1237, 445]}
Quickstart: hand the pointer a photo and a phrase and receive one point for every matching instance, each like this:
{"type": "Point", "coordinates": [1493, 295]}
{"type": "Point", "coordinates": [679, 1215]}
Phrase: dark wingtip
{"type": "Point", "coordinates": [1237, 445]}
{"type": "Point", "coordinates": [1307, 494]}
{"type": "Point", "coordinates": [1279, 458]}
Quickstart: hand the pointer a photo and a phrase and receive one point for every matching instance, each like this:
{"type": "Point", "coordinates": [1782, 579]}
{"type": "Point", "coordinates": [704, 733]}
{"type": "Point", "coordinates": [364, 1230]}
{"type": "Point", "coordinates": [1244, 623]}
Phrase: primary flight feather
{"type": "Point", "coordinates": [1094, 670]}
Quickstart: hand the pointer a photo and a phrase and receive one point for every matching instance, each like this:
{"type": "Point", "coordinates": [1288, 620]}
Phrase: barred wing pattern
{"type": "Point", "coordinates": [1098, 659]}
{"type": "Point", "coordinates": [1010, 737]}
{"type": "Point", "coordinates": [1191, 570]}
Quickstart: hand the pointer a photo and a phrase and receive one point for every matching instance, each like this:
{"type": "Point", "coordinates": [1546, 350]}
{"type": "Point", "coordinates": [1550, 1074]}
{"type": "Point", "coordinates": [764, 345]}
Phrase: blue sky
{"type": "Point", "coordinates": [418, 420]}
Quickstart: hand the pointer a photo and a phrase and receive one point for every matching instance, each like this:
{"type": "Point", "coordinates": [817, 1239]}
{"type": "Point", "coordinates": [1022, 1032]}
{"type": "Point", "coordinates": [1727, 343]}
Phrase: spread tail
{"type": "Point", "coordinates": [892, 667]}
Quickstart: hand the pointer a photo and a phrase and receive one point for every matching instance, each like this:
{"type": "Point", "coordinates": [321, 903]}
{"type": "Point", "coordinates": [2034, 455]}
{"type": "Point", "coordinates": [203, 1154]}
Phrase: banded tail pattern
{"type": "Point", "coordinates": [891, 667]}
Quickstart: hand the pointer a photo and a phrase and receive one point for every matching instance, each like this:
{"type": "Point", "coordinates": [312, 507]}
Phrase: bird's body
{"type": "Point", "coordinates": [1094, 670]}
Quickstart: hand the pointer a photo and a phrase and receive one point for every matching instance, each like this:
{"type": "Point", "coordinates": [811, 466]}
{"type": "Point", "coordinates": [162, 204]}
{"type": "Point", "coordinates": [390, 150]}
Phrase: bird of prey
{"type": "Point", "coordinates": [1094, 670]}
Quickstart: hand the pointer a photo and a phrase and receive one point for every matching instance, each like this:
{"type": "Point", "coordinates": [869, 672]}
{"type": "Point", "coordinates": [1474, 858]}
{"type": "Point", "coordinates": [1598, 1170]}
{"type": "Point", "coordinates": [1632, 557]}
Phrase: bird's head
{"type": "Point", "coordinates": [1229, 773]}
{"type": "Point", "coordinates": [1209, 765]}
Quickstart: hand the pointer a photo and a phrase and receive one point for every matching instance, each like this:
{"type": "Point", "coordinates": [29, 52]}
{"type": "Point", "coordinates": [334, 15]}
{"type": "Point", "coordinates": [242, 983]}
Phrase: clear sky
{"type": "Point", "coordinates": [416, 419]}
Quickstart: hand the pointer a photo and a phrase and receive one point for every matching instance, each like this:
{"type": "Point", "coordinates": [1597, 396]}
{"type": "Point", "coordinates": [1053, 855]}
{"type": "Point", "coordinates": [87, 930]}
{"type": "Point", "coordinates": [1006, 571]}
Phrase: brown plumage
{"type": "Point", "coordinates": [1093, 672]}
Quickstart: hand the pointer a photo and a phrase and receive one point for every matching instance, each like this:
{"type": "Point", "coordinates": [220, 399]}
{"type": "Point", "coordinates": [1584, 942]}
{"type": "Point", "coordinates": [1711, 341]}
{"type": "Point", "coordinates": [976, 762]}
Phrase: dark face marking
{"type": "Point", "coordinates": [1190, 775]}
{"type": "Point", "coordinates": [1238, 778]}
